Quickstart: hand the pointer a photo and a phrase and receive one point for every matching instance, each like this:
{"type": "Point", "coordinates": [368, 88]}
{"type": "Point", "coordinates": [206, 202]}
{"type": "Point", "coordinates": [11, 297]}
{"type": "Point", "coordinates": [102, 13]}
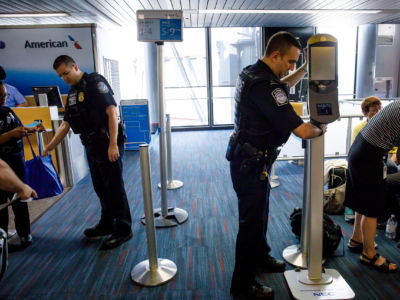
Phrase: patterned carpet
{"type": "Point", "coordinates": [62, 264]}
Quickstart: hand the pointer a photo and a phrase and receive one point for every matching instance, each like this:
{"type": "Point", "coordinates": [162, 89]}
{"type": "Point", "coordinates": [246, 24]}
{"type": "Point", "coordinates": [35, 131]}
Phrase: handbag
{"type": "Point", "coordinates": [333, 200]}
{"type": "Point", "coordinates": [332, 232]}
{"type": "Point", "coordinates": [41, 175]}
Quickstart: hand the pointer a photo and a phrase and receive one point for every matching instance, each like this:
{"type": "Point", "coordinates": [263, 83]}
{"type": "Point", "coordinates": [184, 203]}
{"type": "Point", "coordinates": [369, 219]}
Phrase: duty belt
{"type": "Point", "coordinates": [95, 136]}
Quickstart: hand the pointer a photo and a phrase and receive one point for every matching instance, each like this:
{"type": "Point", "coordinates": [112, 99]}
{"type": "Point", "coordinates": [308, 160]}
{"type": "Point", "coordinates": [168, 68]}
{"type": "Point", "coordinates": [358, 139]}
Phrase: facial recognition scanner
{"type": "Point", "coordinates": [323, 81]}
{"type": "Point", "coordinates": [314, 282]}
{"type": "Point", "coordinates": [47, 96]}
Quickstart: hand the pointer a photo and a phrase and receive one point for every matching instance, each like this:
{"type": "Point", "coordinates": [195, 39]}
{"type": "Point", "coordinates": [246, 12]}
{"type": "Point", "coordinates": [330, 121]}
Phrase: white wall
{"type": "Point", "coordinates": [122, 45]}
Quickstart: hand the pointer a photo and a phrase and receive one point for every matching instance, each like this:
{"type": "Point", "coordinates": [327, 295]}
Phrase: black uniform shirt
{"type": "Point", "coordinates": [271, 100]}
{"type": "Point", "coordinates": [8, 122]}
{"type": "Point", "coordinates": [88, 100]}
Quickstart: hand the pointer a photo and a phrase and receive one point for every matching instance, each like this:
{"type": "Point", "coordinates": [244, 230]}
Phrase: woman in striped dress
{"type": "Point", "coordinates": [365, 192]}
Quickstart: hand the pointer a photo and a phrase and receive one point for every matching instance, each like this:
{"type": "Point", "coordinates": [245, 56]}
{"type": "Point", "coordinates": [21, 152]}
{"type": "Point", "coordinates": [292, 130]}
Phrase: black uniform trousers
{"type": "Point", "coordinates": [253, 205]}
{"type": "Point", "coordinates": [109, 186]}
{"type": "Point", "coordinates": [20, 209]}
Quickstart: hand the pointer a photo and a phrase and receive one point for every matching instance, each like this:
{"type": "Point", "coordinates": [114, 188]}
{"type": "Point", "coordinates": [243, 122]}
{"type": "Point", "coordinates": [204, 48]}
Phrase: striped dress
{"type": "Point", "coordinates": [365, 187]}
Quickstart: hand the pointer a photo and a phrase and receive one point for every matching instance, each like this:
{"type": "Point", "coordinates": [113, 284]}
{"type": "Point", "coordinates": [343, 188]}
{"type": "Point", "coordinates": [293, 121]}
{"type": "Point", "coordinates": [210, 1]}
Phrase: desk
{"type": "Point", "coordinates": [28, 115]}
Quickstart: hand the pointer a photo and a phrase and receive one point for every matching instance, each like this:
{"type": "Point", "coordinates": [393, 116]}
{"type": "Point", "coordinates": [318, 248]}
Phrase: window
{"type": "Point", "coordinates": [232, 49]}
{"type": "Point", "coordinates": [185, 80]}
{"type": "Point", "coordinates": [347, 39]}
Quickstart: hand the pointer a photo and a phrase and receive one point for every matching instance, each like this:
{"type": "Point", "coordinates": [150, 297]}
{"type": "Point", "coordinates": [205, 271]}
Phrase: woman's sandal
{"type": "Point", "coordinates": [358, 246]}
{"type": "Point", "coordinates": [365, 260]}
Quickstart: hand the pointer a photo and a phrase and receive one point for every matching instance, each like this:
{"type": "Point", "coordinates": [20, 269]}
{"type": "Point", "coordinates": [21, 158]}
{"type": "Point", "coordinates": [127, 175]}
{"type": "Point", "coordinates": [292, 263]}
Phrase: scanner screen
{"type": "Point", "coordinates": [324, 109]}
{"type": "Point", "coordinates": [323, 63]}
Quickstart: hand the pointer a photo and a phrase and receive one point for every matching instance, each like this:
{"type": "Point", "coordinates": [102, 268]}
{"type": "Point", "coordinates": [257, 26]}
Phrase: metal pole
{"type": "Point", "coordinates": [163, 171]}
{"type": "Point", "coordinates": [349, 133]}
{"type": "Point", "coordinates": [164, 216]}
{"type": "Point", "coordinates": [148, 206]}
{"type": "Point", "coordinates": [171, 184]}
{"type": "Point", "coordinates": [297, 255]}
{"type": "Point", "coordinates": [154, 271]}
{"type": "Point", "coordinates": [274, 182]}
{"type": "Point", "coordinates": [315, 224]}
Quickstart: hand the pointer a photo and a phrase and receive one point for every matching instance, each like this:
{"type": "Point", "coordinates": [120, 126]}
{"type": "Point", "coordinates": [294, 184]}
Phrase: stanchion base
{"type": "Point", "coordinates": [175, 216]}
{"type": "Point", "coordinates": [274, 183]}
{"type": "Point", "coordinates": [293, 256]}
{"type": "Point", "coordinates": [141, 273]}
{"type": "Point", "coordinates": [336, 289]}
{"type": "Point", "coordinates": [172, 185]}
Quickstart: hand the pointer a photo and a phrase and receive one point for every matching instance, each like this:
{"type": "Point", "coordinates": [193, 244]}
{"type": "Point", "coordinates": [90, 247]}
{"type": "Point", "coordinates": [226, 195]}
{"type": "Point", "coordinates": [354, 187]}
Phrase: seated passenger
{"type": "Point", "coordinates": [14, 98]}
{"type": "Point", "coordinates": [365, 187]}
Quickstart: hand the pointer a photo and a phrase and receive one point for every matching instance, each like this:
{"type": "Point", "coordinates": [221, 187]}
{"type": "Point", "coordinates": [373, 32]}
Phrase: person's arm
{"type": "Point", "coordinates": [58, 137]}
{"type": "Point", "coordinates": [39, 127]}
{"type": "Point", "coordinates": [297, 75]}
{"type": "Point", "coordinates": [20, 100]}
{"type": "Point", "coordinates": [10, 182]}
{"type": "Point", "coordinates": [309, 131]}
{"type": "Point", "coordinates": [16, 133]}
{"type": "Point", "coordinates": [113, 152]}
{"type": "Point", "coordinates": [23, 104]}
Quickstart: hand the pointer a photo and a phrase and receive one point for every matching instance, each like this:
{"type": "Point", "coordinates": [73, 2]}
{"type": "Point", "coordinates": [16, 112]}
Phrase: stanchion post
{"type": "Point", "coordinates": [154, 271]}
{"type": "Point", "coordinates": [274, 182]}
{"type": "Point", "coordinates": [171, 184]}
{"type": "Point", "coordinates": [164, 216]}
{"type": "Point", "coordinates": [163, 171]}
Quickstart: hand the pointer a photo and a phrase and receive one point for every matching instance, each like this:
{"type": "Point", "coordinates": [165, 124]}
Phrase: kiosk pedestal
{"type": "Point", "coordinates": [316, 283]}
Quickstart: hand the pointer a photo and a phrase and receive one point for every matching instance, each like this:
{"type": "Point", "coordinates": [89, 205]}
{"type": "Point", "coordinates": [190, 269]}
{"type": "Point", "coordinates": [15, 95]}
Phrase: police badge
{"type": "Point", "coordinates": [102, 87]}
{"type": "Point", "coordinates": [81, 96]}
{"type": "Point", "coordinates": [279, 96]}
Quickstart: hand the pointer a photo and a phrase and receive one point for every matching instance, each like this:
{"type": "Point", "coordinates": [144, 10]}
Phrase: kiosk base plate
{"type": "Point", "coordinates": [337, 289]}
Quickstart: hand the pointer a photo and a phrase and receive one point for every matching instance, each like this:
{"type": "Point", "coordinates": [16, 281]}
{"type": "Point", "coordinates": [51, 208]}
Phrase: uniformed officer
{"type": "Point", "coordinates": [12, 152]}
{"type": "Point", "coordinates": [264, 120]}
{"type": "Point", "coordinates": [91, 112]}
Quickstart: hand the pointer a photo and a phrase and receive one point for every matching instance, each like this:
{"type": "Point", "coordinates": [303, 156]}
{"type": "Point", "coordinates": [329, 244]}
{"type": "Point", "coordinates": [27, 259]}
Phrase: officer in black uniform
{"type": "Point", "coordinates": [264, 120]}
{"type": "Point", "coordinates": [91, 112]}
{"type": "Point", "coordinates": [12, 152]}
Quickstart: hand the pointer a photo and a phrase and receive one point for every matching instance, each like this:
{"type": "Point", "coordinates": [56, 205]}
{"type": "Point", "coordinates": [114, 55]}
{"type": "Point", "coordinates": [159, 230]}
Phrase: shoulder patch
{"type": "Point", "coordinates": [279, 96]}
{"type": "Point", "coordinates": [102, 87]}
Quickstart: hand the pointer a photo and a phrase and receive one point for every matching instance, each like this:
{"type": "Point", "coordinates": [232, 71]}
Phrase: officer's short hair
{"type": "Point", "coordinates": [369, 102]}
{"type": "Point", "coordinates": [281, 41]}
{"type": "Point", "coordinates": [67, 60]}
{"type": "Point", "coordinates": [2, 74]}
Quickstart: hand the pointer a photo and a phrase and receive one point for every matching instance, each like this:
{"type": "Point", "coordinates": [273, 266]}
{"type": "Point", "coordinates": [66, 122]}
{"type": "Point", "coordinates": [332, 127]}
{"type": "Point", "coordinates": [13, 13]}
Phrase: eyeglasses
{"type": "Point", "coordinates": [5, 96]}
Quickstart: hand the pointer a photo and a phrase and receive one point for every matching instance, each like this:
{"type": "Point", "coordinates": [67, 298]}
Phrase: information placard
{"type": "Point", "coordinates": [159, 25]}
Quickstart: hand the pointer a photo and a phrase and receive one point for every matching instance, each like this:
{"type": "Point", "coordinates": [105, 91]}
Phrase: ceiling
{"type": "Point", "coordinates": [107, 13]}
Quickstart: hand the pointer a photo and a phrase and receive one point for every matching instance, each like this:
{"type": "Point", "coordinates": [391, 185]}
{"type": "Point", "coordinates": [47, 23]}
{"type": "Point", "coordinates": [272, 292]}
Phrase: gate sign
{"type": "Point", "coordinates": [159, 25]}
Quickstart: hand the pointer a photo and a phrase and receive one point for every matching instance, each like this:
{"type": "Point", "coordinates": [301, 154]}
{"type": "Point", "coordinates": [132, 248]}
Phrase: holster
{"type": "Point", "coordinates": [255, 159]}
{"type": "Point", "coordinates": [230, 150]}
{"type": "Point", "coordinates": [121, 138]}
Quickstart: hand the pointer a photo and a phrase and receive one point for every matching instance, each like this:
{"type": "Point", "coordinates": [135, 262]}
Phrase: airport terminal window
{"type": "Point", "coordinates": [185, 79]}
{"type": "Point", "coordinates": [232, 49]}
{"type": "Point", "coordinates": [347, 39]}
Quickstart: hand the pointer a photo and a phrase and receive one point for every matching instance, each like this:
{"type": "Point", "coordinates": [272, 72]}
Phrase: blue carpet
{"type": "Point", "coordinates": [62, 264]}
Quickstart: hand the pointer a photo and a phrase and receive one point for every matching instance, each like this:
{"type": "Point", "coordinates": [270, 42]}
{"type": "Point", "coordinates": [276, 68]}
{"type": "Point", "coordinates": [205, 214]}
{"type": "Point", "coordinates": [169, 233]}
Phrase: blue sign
{"type": "Point", "coordinates": [170, 29]}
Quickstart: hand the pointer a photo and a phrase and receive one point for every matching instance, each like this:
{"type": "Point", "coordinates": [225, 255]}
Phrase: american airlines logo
{"type": "Point", "coordinates": [52, 44]}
